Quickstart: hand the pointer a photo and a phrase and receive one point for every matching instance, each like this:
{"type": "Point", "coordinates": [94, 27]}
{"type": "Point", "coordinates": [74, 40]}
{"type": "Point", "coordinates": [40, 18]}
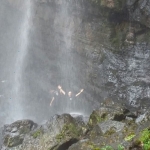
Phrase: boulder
{"type": "Point", "coordinates": [139, 11]}
{"type": "Point", "coordinates": [111, 110]}
{"type": "Point", "coordinates": [13, 134]}
{"type": "Point", "coordinates": [111, 126]}
{"type": "Point", "coordinates": [57, 133]}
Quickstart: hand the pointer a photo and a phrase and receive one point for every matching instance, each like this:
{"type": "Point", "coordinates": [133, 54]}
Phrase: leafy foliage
{"type": "Point", "coordinates": [145, 139]}
{"type": "Point", "coordinates": [130, 137]}
{"type": "Point", "coordinates": [120, 147]}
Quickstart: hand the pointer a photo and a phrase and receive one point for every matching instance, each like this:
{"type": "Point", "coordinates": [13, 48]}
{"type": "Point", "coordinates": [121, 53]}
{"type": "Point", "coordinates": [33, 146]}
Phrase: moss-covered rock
{"type": "Point", "coordinates": [107, 113]}
{"type": "Point", "coordinates": [69, 131]}
{"type": "Point", "coordinates": [10, 141]}
{"type": "Point", "coordinates": [54, 133]}
{"type": "Point", "coordinates": [37, 133]}
{"type": "Point", "coordinates": [15, 132]}
{"type": "Point", "coordinates": [96, 117]}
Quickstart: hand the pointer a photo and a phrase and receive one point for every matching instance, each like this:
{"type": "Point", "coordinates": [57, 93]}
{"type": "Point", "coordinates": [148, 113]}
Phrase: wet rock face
{"type": "Point", "coordinates": [108, 53]}
{"type": "Point", "coordinates": [14, 134]}
{"type": "Point", "coordinates": [140, 11]}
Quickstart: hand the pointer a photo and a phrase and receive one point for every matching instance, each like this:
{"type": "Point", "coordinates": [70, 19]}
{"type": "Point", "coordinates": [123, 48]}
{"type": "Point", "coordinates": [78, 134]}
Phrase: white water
{"type": "Point", "coordinates": [64, 23]}
{"type": "Point", "coordinates": [16, 108]}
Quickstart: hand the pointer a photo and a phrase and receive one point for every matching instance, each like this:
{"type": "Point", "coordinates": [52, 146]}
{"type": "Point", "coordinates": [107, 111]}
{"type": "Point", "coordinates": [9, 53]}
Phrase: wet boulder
{"type": "Point", "coordinates": [111, 110]}
{"type": "Point", "coordinates": [143, 118]}
{"type": "Point", "coordinates": [84, 145]}
{"type": "Point", "coordinates": [13, 134]}
{"type": "Point", "coordinates": [111, 126]}
{"type": "Point", "coordinates": [57, 133]}
{"type": "Point", "coordinates": [139, 11]}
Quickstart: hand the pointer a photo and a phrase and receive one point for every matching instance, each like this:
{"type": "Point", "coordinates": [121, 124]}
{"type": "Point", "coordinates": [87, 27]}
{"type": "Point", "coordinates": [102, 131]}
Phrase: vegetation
{"type": "Point", "coordinates": [69, 130]}
{"type": "Point", "coordinates": [36, 133]}
{"type": "Point", "coordinates": [129, 137]}
{"type": "Point", "coordinates": [107, 148]}
{"type": "Point", "coordinates": [96, 118]}
{"type": "Point", "coordinates": [120, 147]}
{"type": "Point", "coordinates": [145, 139]}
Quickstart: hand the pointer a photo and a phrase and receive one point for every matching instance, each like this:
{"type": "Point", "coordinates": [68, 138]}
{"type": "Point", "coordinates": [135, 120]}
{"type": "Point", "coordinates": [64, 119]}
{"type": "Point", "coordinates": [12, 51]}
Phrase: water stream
{"type": "Point", "coordinates": [16, 110]}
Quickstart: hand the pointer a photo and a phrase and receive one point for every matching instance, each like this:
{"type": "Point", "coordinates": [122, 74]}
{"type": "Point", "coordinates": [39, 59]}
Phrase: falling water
{"type": "Point", "coordinates": [64, 23]}
{"type": "Point", "coordinates": [67, 60]}
{"type": "Point", "coordinates": [16, 110]}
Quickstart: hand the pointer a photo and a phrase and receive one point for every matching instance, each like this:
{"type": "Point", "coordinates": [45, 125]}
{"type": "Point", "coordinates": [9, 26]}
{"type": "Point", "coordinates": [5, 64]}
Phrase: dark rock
{"type": "Point", "coordinates": [111, 126]}
{"type": "Point", "coordinates": [13, 134]}
{"type": "Point", "coordinates": [1, 135]}
{"type": "Point", "coordinates": [140, 11]}
{"type": "Point", "coordinates": [94, 133]}
{"type": "Point", "coordinates": [59, 132]}
{"type": "Point", "coordinates": [114, 112]}
{"type": "Point", "coordinates": [81, 145]}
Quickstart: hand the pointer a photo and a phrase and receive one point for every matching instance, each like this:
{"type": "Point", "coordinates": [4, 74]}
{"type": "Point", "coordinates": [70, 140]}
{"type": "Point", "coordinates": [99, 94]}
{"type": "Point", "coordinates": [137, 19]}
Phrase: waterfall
{"type": "Point", "coordinates": [64, 24]}
{"type": "Point", "coordinates": [68, 61]}
{"type": "Point", "coordinates": [16, 108]}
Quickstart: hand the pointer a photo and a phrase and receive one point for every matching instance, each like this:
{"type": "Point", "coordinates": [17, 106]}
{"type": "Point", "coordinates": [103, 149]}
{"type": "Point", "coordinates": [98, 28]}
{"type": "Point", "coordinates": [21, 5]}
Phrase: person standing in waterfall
{"type": "Point", "coordinates": [60, 92]}
{"type": "Point", "coordinates": [71, 95]}
{"type": "Point", "coordinates": [55, 94]}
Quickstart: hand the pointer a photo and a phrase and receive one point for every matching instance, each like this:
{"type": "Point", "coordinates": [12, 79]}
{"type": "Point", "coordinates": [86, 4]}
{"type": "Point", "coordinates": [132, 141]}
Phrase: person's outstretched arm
{"type": "Point", "coordinates": [79, 92]}
{"type": "Point", "coordinates": [61, 90]}
{"type": "Point", "coordinates": [52, 101]}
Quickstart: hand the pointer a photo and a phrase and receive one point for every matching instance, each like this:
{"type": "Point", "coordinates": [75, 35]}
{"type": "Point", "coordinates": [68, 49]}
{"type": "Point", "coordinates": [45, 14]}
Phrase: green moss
{"type": "Point", "coordinates": [110, 132]}
{"type": "Point", "coordinates": [107, 148]}
{"type": "Point", "coordinates": [145, 139]}
{"type": "Point", "coordinates": [36, 133]}
{"type": "Point", "coordinates": [69, 130]}
{"type": "Point", "coordinates": [12, 141]}
{"type": "Point", "coordinates": [120, 147]}
{"type": "Point", "coordinates": [92, 146]}
{"type": "Point", "coordinates": [129, 137]}
{"type": "Point", "coordinates": [96, 118]}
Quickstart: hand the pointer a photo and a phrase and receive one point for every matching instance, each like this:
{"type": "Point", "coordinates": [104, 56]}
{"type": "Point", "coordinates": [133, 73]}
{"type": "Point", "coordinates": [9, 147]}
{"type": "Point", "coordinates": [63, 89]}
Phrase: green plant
{"type": "Point", "coordinates": [70, 130]}
{"type": "Point", "coordinates": [120, 147]}
{"type": "Point", "coordinates": [95, 118]}
{"type": "Point", "coordinates": [36, 133]}
{"type": "Point", "coordinates": [129, 137]}
{"type": "Point", "coordinates": [93, 147]}
{"type": "Point", "coordinates": [107, 148]}
{"type": "Point", "coordinates": [145, 139]}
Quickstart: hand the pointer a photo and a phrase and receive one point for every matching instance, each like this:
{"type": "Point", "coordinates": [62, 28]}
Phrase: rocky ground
{"type": "Point", "coordinates": [111, 127]}
{"type": "Point", "coordinates": [111, 39]}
